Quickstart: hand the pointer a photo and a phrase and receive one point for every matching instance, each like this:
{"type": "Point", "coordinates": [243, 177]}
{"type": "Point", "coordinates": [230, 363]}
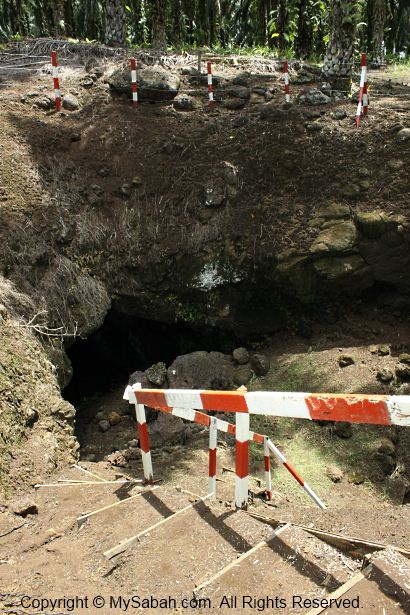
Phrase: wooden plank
{"type": "Point", "coordinates": [356, 578]}
{"type": "Point", "coordinates": [86, 482]}
{"type": "Point", "coordinates": [84, 518]}
{"type": "Point", "coordinates": [82, 483]}
{"type": "Point", "coordinates": [336, 539]}
{"type": "Point", "coordinates": [125, 544]}
{"type": "Point", "coordinates": [240, 559]}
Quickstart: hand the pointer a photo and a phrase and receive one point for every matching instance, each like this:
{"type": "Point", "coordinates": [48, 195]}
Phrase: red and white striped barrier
{"type": "Point", "coordinates": [365, 98]}
{"type": "Point", "coordinates": [242, 460]}
{"type": "Point", "coordinates": [351, 408]}
{"type": "Point", "coordinates": [210, 88]}
{"type": "Point", "coordinates": [362, 86]}
{"type": "Point", "coordinates": [292, 470]}
{"type": "Point", "coordinates": [144, 441]}
{"type": "Point", "coordinates": [268, 477]}
{"type": "Point", "coordinates": [56, 80]}
{"type": "Point", "coordinates": [134, 82]}
{"type": "Point", "coordinates": [213, 439]}
{"type": "Point", "coordinates": [286, 75]}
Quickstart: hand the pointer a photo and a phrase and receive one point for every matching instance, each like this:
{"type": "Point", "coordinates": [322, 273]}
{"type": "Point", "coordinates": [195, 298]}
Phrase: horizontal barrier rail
{"type": "Point", "coordinates": [352, 408]}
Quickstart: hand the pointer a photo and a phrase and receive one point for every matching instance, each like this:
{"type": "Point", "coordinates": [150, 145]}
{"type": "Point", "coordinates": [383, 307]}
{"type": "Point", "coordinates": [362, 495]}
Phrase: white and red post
{"type": "Point", "coordinates": [360, 105]}
{"type": "Point", "coordinates": [210, 88]}
{"type": "Point", "coordinates": [268, 477]}
{"type": "Point", "coordinates": [286, 75]}
{"type": "Point", "coordinates": [242, 460]}
{"type": "Point", "coordinates": [56, 80]}
{"type": "Point", "coordinates": [365, 94]}
{"type": "Point", "coordinates": [134, 82]}
{"type": "Point", "coordinates": [143, 438]}
{"type": "Point", "coordinates": [213, 438]}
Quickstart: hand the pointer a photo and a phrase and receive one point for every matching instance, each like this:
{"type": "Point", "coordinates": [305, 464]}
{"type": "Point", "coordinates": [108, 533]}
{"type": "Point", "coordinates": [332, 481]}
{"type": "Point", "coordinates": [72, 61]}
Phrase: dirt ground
{"type": "Point", "coordinates": [48, 554]}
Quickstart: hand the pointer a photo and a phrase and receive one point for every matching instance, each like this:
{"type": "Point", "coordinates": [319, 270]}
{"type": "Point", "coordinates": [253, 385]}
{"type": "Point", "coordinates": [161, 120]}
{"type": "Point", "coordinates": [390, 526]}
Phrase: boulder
{"type": "Point", "coordinates": [315, 97]}
{"type": "Point", "coordinates": [345, 272]}
{"type": "Point", "coordinates": [154, 83]}
{"type": "Point", "coordinates": [157, 374]}
{"type": "Point", "coordinates": [167, 428]}
{"type": "Point", "coordinates": [403, 134]}
{"type": "Point", "coordinates": [242, 79]}
{"type": "Point", "coordinates": [374, 224]}
{"type": "Point", "coordinates": [341, 237]}
{"type": "Point", "coordinates": [242, 376]}
{"type": "Point", "coordinates": [260, 364]}
{"type": "Point", "coordinates": [234, 103]}
{"type": "Point", "coordinates": [238, 91]}
{"type": "Point", "coordinates": [45, 102]}
{"type": "Point", "coordinates": [402, 372]}
{"type": "Point", "coordinates": [202, 370]}
{"type": "Point", "coordinates": [241, 355]}
{"type": "Point", "coordinates": [183, 103]}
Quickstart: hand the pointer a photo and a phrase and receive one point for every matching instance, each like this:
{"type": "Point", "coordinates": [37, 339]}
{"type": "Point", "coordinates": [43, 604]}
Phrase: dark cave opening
{"type": "Point", "coordinates": [125, 343]}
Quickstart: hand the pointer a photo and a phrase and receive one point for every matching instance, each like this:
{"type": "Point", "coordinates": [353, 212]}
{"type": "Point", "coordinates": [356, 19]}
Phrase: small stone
{"type": "Point", "coordinates": [157, 374]}
{"type": "Point", "coordinates": [137, 181]}
{"type": "Point", "coordinates": [402, 371]}
{"type": "Point", "coordinates": [363, 172]}
{"type": "Point", "coordinates": [339, 115]}
{"type": "Point", "coordinates": [404, 357]}
{"type": "Point", "coordinates": [313, 127]}
{"type": "Point", "coordinates": [132, 453]}
{"type": "Point", "coordinates": [343, 430]}
{"type": "Point", "coordinates": [242, 376]}
{"type": "Point", "coordinates": [23, 507]}
{"type": "Point", "coordinates": [383, 350]}
{"type": "Point", "coordinates": [104, 425]}
{"type": "Point", "coordinates": [345, 360]}
{"type": "Point", "coordinates": [75, 136]}
{"type": "Point", "coordinates": [395, 164]}
{"type": "Point", "coordinates": [234, 103]}
{"type": "Point", "coordinates": [100, 416]}
{"type": "Point", "coordinates": [384, 446]}
{"type": "Point", "coordinates": [241, 355]}
{"type": "Point", "coordinates": [334, 473]}
{"type": "Point", "coordinates": [183, 103]}
{"type": "Point", "coordinates": [355, 478]}
{"type": "Point", "coordinates": [46, 103]}
{"type": "Point", "coordinates": [364, 185]}
{"type": "Point", "coordinates": [403, 134]}
{"type": "Point", "coordinates": [87, 82]}
{"type": "Point", "coordinates": [351, 191]}
{"type": "Point", "coordinates": [374, 349]}
{"type": "Point", "coordinates": [114, 418]}
{"type": "Point", "coordinates": [70, 103]}
{"type": "Point", "coordinates": [126, 189]}
{"type": "Point", "coordinates": [133, 443]}
{"type": "Point", "coordinates": [260, 364]}
{"type": "Point", "coordinates": [385, 375]}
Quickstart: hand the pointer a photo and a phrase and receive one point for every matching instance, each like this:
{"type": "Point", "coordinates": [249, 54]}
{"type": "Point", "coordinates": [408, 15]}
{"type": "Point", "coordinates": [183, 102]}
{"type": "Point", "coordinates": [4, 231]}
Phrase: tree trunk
{"type": "Point", "coordinates": [282, 23]}
{"type": "Point", "coordinates": [115, 23]}
{"type": "Point", "coordinates": [58, 18]}
{"type": "Point", "coordinates": [159, 35]}
{"type": "Point", "coordinates": [378, 22]}
{"type": "Point", "coordinates": [338, 62]}
{"type": "Point", "coordinates": [261, 22]}
{"type": "Point", "coordinates": [304, 38]}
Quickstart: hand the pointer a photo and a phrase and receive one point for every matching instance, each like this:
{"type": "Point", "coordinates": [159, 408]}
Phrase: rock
{"type": "Point", "coordinates": [339, 115]}
{"type": "Point", "coordinates": [384, 446]}
{"type": "Point", "coordinates": [242, 79]}
{"type": "Point", "coordinates": [242, 376]}
{"type": "Point", "coordinates": [132, 453]}
{"type": "Point", "coordinates": [403, 134]}
{"type": "Point", "coordinates": [157, 374]}
{"type": "Point", "coordinates": [183, 103]}
{"type": "Point", "coordinates": [337, 238]}
{"type": "Point", "coordinates": [241, 355]}
{"type": "Point", "coordinates": [118, 459]}
{"type": "Point", "coordinates": [345, 360]}
{"type": "Point", "coordinates": [71, 103]}
{"type": "Point", "coordinates": [364, 185]}
{"type": "Point", "coordinates": [315, 97]}
{"type": "Point", "coordinates": [356, 478]}
{"type": "Point", "coordinates": [402, 372]}
{"type": "Point", "coordinates": [230, 173]}
{"type": "Point", "coordinates": [114, 418]}
{"type": "Point", "coordinates": [303, 78]}
{"type": "Point", "coordinates": [374, 224]}
{"type": "Point", "coordinates": [234, 103]}
{"type": "Point", "coordinates": [238, 92]}
{"type": "Point", "coordinates": [343, 430]}
{"type": "Point", "coordinates": [98, 71]}
{"type": "Point", "coordinates": [385, 375]}
{"type": "Point", "coordinates": [133, 443]}
{"type": "Point", "coordinates": [404, 357]}
{"type": "Point", "coordinates": [137, 181]}
{"type": "Point", "coordinates": [87, 82]}
{"type": "Point", "coordinates": [154, 83]}
{"type": "Point", "coordinates": [202, 370]}
{"type": "Point", "coordinates": [395, 164]}
{"type": "Point", "coordinates": [215, 193]}
{"type": "Point", "coordinates": [24, 506]}
{"type": "Point", "coordinates": [167, 429]}
{"type": "Point", "coordinates": [334, 473]}
{"type": "Point", "coordinates": [313, 127]}
{"type": "Point", "coordinates": [387, 463]}
{"type": "Point", "coordinates": [100, 416]}
{"type": "Point", "coordinates": [46, 102]}
{"type": "Point", "coordinates": [333, 211]}
{"type": "Point", "coordinates": [104, 425]}
{"type": "Point", "coordinates": [373, 349]}
{"type": "Point", "coordinates": [75, 136]}
{"type": "Point", "coordinates": [260, 364]}
{"type": "Point", "coordinates": [268, 96]}
{"type": "Point", "coordinates": [351, 191]}
{"type": "Point", "coordinates": [126, 190]}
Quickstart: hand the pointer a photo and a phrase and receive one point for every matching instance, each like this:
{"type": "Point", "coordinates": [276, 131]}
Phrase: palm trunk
{"type": "Point", "coordinates": [304, 39]}
{"type": "Point", "coordinates": [338, 62]}
{"type": "Point", "coordinates": [159, 35]}
{"type": "Point", "coordinates": [378, 22]}
{"type": "Point", "coordinates": [115, 23]}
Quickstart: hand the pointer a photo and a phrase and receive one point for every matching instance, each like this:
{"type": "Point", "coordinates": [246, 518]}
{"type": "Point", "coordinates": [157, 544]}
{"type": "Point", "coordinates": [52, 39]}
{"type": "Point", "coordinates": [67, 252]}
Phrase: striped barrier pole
{"type": "Point", "coordinates": [365, 95]}
{"type": "Point", "coordinates": [362, 83]}
{"type": "Point", "coordinates": [213, 438]}
{"type": "Point", "coordinates": [144, 440]}
{"type": "Point", "coordinates": [56, 80]}
{"type": "Point", "coordinates": [268, 477]}
{"type": "Point", "coordinates": [299, 479]}
{"type": "Point", "coordinates": [286, 73]}
{"type": "Point", "coordinates": [210, 88]}
{"type": "Point", "coordinates": [242, 460]}
{"type": "Point", "coordinates": [134, 82]}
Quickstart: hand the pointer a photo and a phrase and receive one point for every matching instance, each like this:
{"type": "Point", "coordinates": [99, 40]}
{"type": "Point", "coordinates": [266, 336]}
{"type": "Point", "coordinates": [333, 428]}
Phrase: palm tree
{"type": "Point", "coordinates": [378, 18]}
{"type": "Point", "coordinates": [115, 23]}
{"type": "Point", "coordinates": [338, 62]}
{"type": "Point", "coordinates": [159, 35]}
